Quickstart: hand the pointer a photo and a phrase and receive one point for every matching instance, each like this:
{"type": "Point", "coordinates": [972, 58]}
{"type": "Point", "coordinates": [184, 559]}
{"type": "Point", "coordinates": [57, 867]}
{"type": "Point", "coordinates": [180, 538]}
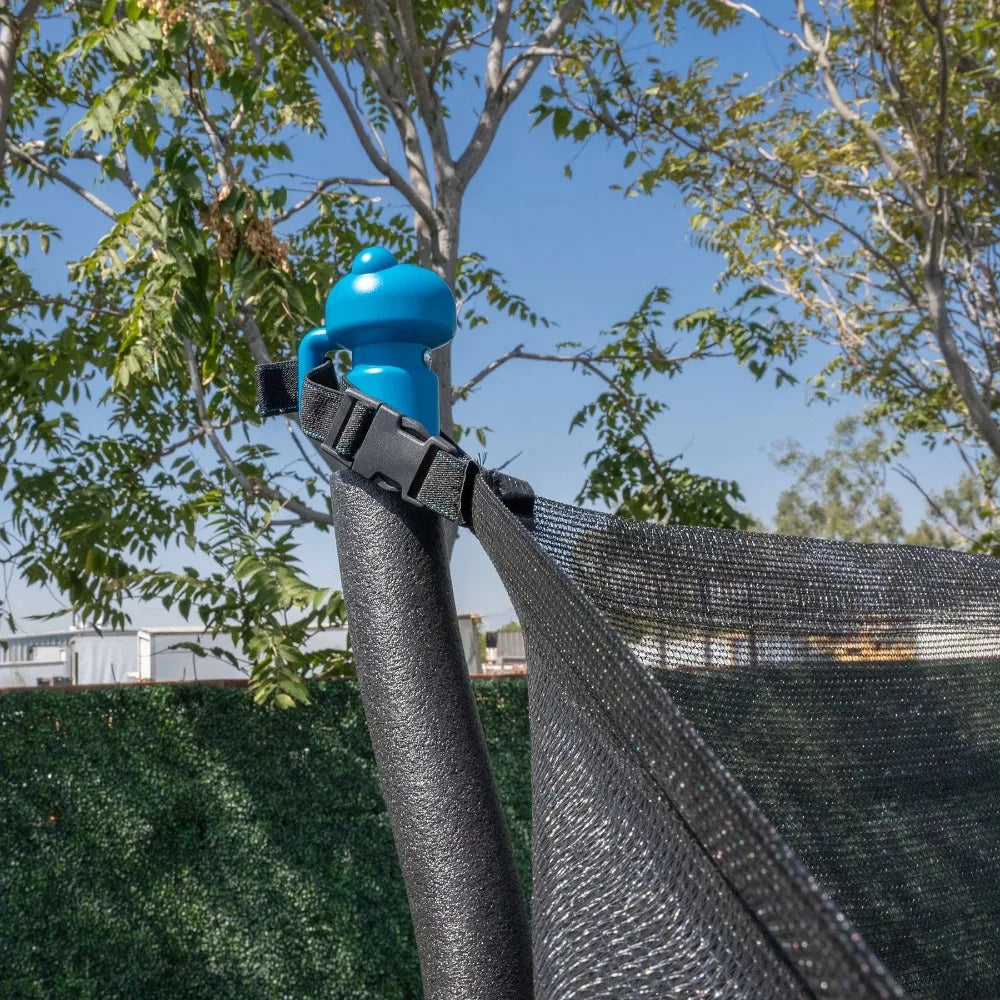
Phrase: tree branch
{"type": "Point", "coordinates": [328, 183]}
{"type": "Point", "coordinates": [939, 511]}
{"type": "Point", "coordinates": [395, 99]}
{"type": "Point", "coordinates": [427, 99]}
{"type": "Point", "coordinates": [219, 154]}
{"type": "Point", "coordinates": [25, 157]}
{"type": "Point", "coordinates": [252, 487]}
{"type": "Point", "coordinates": [820, 51]}
{"type": "Point", "coordinates": [380, 162]}
{"type": "Point", "coordinates": [934, 284]}
{"type": "Point", "coordinates": [585, 360]}
{"type": "Point", "coordinates": [60, 300]}
{"type": "Point", "coordinates": [247, 322]}
{"type": "Point", "coordinates": [745, 8]}
{"type": "Point", "coordinates": [462, 391]}
{"type": "Point", "coordinates": [258, 56]}
{"type": "Point", "coordinates": [498, 41]}
{"type": "Point", "coordinates": [307, 458]}
{"type": "Point", "coordinates": [505, 91]}
{"type": "Point", "coordinates": [152, 458]}
{"type": "Point", "coordinates": [512, 87]}
{"type": "Point", "coordinates": [121, 170]}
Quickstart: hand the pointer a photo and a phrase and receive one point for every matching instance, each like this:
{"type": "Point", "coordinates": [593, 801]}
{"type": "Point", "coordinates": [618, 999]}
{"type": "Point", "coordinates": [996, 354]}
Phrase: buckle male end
{"type": "Point", "coordinates": [394, 451]}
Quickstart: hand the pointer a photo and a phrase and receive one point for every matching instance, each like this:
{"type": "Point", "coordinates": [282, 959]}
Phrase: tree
{"type": "Point", "coordinates": [860, 189]}
{"type": "Point", "coordinates": [962, 516]}
{"type": "Point", "coordinates": [843, 493]}
{"type": "Point", "coordinates": [166, 120]}
{"type": "Point", "coordinates": [840, 493]}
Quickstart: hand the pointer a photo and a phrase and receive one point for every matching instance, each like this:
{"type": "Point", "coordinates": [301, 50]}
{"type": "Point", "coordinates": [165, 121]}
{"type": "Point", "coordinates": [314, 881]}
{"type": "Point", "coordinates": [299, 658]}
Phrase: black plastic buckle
{"type": "Point", "coordinates": [395, 451]}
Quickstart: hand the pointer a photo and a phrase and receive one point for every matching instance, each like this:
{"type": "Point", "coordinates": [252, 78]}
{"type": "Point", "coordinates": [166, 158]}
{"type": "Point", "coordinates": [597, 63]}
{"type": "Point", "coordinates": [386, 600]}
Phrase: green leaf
{"type": "Point", "coordinates": [560, 122]}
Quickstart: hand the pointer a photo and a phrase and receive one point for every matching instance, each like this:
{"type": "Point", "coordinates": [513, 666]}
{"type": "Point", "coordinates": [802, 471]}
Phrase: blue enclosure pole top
{"type": "Point", "coordinates": [388, 315]}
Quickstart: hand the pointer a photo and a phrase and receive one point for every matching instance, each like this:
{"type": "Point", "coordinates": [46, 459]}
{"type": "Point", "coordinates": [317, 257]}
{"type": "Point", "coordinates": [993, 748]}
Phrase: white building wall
{"type": "Point", "coordinates": [28, 673]}
{"type": "Point", "coordinates": [162, 660]}
{"type": "Point", "coordinates": [26, 659]}
{"type": "Point", "coordinates": [110, 658]}
{"type": "Point", "coordinates": [85, 656]}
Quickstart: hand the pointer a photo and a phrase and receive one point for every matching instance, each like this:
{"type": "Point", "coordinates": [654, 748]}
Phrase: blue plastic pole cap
{"type": "Point", "coordinates": [388, 315]}
{"type": "Point", "coordinates": [382, 301]}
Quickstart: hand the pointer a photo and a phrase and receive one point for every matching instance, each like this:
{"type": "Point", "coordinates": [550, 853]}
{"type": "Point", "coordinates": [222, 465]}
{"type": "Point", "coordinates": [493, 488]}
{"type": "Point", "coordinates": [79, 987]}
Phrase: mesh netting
{"type": "Point", "coordinates": [691, 687]}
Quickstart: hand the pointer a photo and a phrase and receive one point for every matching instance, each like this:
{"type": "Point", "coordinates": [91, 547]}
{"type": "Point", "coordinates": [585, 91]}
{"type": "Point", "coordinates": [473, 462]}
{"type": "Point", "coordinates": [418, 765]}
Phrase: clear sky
{"type": "Point", "coordinates": [583, 256]}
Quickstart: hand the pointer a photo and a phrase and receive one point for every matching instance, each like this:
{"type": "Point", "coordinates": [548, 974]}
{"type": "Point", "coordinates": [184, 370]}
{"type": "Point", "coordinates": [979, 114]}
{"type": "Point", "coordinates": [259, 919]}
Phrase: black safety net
{"type": "Point", "coordinates": [758, 762]}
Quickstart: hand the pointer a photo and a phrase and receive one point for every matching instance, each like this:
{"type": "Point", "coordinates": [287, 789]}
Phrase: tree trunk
{"type": "Point", "coordinates": [439, 252]}
{"type": "Point", "coordinates": [979, 413]}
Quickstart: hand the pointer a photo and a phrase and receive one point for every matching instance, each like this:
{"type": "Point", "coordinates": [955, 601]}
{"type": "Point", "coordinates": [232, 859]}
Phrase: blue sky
{"type": "Point", "coordinates": [584, 256]}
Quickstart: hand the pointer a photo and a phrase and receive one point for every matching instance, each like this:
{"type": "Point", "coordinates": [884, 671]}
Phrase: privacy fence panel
{"type": "Point", "coordinates": [181, 842]}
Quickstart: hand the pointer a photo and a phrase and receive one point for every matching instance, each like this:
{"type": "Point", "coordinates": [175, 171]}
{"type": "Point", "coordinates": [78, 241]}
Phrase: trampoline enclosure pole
{"type": "Point", "coordinates": [465, 898]}
{"type": "Point", "coordinates": [454, 848]}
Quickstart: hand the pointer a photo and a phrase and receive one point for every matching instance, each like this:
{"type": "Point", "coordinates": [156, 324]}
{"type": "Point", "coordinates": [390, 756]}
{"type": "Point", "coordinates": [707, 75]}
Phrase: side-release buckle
{"type": "Point", "coordinates": [394, 451]}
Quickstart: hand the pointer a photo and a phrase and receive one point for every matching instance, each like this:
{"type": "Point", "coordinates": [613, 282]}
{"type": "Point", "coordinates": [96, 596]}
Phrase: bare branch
{"type": "Point", "coordinates": [469, 41]}
{"type": "Point", "coordinates": [498, 39]}
{"type": "Point", "coordinates": [507, 88]}
{"type": "Point", "coordinates": [291, 425]}
{"type": "Point", "coordinates": [462, 391]}
{"type": "Point", "coordinates": [25, 157]}
{"type": "Point", "coordinates": [934, 284]}
{"type": "Point", "coordinates": [247, 323]}
{"type": "Point", "coordinates": [585, 359]}
{"type": "Point", "coordinates": [441, 49]}
{"type": "Point", "coordinates": [380, 162]}
{"type": "Point", "coordinates": [121, 171]}
{"type": "Point", "coordinates": [385, 73]}
{"type": "Point", "coordinates": [252, 487]}
{"type": "Point", "coordinates": [150, 459]}
{"type": "Point", "coordinates": [513, 85]}
{"type": "Point", "coordinates": [745, 8]}
{"type": "Point", "coordinates": [510, 461]}
{"type": "Point", "coordinates": [328, 183]}
{"type": "Point", "coordinates": [939, 511]}
{"type": "Point", "coordinates": [427, 99]}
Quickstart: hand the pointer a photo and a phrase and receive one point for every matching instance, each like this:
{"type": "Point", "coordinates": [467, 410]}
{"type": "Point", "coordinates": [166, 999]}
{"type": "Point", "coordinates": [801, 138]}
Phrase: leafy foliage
{"type": "Point", "coordinates": [626, 470]}
{"type": "Point", "coordinates": [843, 493]}
{"type": "Point", "coordinates": [859, 188]}
{"type": "Point", "coordinates": [133, 465]}
{"type": "Point", "coordinates": [964, 515]}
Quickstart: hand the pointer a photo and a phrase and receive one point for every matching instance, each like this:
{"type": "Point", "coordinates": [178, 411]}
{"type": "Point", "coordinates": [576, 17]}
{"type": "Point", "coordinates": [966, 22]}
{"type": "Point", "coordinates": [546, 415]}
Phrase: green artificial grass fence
{"type": "Point", "coordinates": [181, 842]}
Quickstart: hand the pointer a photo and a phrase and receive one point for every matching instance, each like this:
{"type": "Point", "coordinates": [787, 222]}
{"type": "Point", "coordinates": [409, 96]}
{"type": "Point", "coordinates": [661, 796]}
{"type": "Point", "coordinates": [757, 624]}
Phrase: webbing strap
{"type": "Point", "coordinates": [380, 444]}
{"type": "Point", "coordinates": [277, 388]}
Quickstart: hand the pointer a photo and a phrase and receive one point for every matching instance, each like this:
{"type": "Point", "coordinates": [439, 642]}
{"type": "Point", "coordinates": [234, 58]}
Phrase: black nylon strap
{"type": "Point", "coordinates": [277, 388]}
{"type": "Point", "coordinates": [380, 444]}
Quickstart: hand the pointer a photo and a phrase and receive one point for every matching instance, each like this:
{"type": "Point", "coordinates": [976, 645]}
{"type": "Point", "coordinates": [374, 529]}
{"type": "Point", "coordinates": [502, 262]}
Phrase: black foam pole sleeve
{"type": "Point", "coordinates": [466, 900]}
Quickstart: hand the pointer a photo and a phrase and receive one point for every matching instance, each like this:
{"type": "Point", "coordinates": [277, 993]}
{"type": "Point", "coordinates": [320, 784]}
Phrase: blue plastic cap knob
{"type": "Point", "coordinates": [373, 259]}
{"type": "Point", "coordinates": [382, 300]}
